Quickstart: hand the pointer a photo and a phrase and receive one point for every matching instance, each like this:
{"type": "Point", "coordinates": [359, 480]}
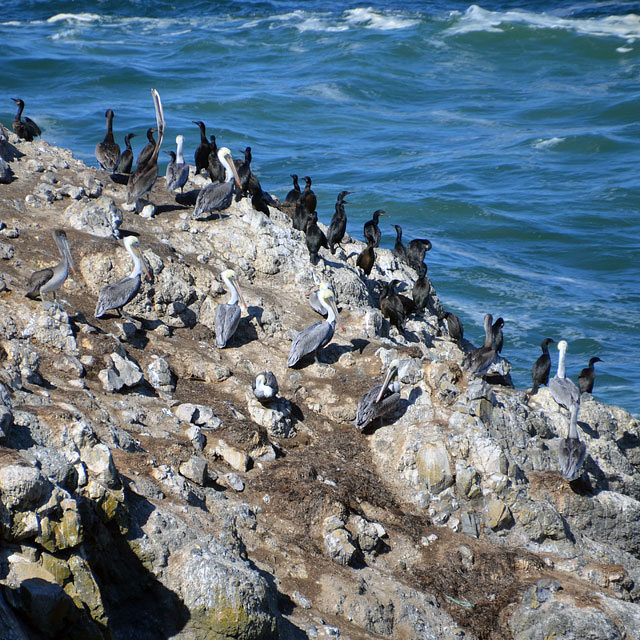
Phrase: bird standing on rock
{"type": "Point", "coordinates": [563, 389]}
{"type": "Point", "coordinates": [315, 238]}
{"type": "Point", "coordinates": [399, 250]}
{"type": "Point", "coordinates": [379, 400]}
{"type": "Point", "coordinates": [308, 195]}
{"type": "Point", "coordinates": [338, 224]}
{"type": "Point", "coordinates": [367, 258]}
{"type": "Point", "coordinates": [294, 193]}
{"type": "Point", "coordinates": [455, 329]}
{"type": "Point", "coordinates": [541, 367]}
{"type": "Point", "coordinates": [146, 151]}
{"type": "Point", "coordinates": [415, 252]}
{"type": "Point", "coordinates": [421, 288]}
{"type": "Point", "coordinates": [218, 196]}
{"type": "Point", "coordinates": [372, 230]}
{"type": "Point", "coordinates": [26, 129]}
{"type": "Point", "coordinates": [587, 376]}
{"type": "Point", "coordinates": [228, 315]}
{"type": "Point", "coordinates": [480, 360]}
{"type": "Point", "coordinates": [391, 305]}
{"type": "Point", "coordinates": [108, 151]}
{"type": "Point", "coordinates": [125, 161]}
{"type": "Point", "coordinates": [177, 170]}
{"type": "Point", "coordinates": [265, 387]}
{"type": "Point", "coordinates": [201, 155]}
{"type": "Point", "coordinates": [49, 280]}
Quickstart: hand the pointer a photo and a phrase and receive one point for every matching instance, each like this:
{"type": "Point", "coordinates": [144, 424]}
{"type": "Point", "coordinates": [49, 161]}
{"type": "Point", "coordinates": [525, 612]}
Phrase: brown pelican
{"type": "Point", "coordinates": [26, 129]}
{"type": "Point", "coordinates": [125, 162]}
{"type": "Point", "coordinates": [228, 315]}
{"type": "Point", "coordinates": [379, 400]}
{"type": "Point", "coordinates": [147, 151]}
{"type": "Point", "coordinates": [372, 230]}
{"type": "Point", "coordinates": [218, 196]}
{"type": "Point", "coordinates": [295, 193]}
{"type": "Point", "coordinates": [564, 390]}
{"type": "Point", "coordinates": [265, 387]}
{"type": "Point", "coordinates": [145, 176]}
{"type": "Point", "coordinates": [338, 224]}
{"type": "Point", "coordinates": [479, 360]}
{"type": "Point", "coordinates": [399, 250]}
{"type": "Point", "coordinates": [177, 171]}
{"type": "Point", "coordinates": [541, 367]}
{"type": "Point", "coordinates": [316, 335]}
{"type": "Point", "coordinates": [201, 155]}
{"type": "Point", "coordinates": [108, 151]}
{"type": "Point", "coordinates": [52, 278]}
{"type": "Point", "coordinates": [314, 301]}
{"type": "Point", "coordinates": [587, 376]}
{"type": "Point", "coordinates": [572, 451]}
{"type": "Point", "coordinates": [117, 295]}
{"type": "Point", "coordinates": [367, 258]}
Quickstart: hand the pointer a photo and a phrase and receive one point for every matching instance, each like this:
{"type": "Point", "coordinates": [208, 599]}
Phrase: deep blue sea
{"type": "Point", "coordinates": [508, 133]}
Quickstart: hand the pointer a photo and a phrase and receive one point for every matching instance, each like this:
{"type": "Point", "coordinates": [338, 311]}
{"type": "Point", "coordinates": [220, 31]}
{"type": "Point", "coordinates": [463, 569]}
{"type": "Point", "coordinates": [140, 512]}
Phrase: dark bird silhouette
{"type": "Point", "coordinates": [300, 216]}
{"type": "Point", "coordinates": [399, 250]}
{"type": "Point", "coordinates": [294, 193]}
{"type": "Point", "coordinates": [479, 360]}
{"type": "Point", "coordinates": [310, 200]}
{"type": "Point", "coordinates": [391, 305]}
{"type": "Point", "coordinates": [587, 376]}
{"type": "Point", "coordinates": [146, 151]}
{"type": "Point", "coordinates": [201, 156]}
{"type": "Point", "coordinates": [125, 161]}
{"type": "Point", "coordinates": [421, 288]}
{"type": "Point", "coordinates": [315, 238]}
{"type": "Point", "coordinates": [216, 170]}
{"type": "Point", "coordinates": [367, 258]}
{"type": "Point", "coordinates": [258, 202]}
{"type": "Point", "coordinates": [338, 224]}
{"type": "Point", "coordinates": [25, 128]}
{"type": "Point", "coordinates": [498, 338]}
{"type": "Point", "coordinates": [108, 151]}
{"type": "Point", "coordinates": [415, 252]}
{"type": "Point", "coordinates": [244, 172]}
{"type": "Point", "coordinates": [454, 326]}
{"type": "Point", "coordinates": [141, 181]}
{"type": "Point", "coordinates": [372, 230]}
{"type": "Point", "coordinates": [541, 367]}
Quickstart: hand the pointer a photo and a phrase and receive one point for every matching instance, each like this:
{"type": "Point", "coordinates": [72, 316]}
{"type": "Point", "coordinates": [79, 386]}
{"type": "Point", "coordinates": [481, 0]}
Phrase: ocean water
{"type": "Point", "coordinates": [508, 133]}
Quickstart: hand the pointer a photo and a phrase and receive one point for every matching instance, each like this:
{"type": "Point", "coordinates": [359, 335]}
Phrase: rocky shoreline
{"type": "Point", "coordinates": [145, 493]}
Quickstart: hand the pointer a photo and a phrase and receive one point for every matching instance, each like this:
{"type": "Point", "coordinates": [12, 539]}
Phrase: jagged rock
{"type": "Point", "coordinates": [195, 469]}
{"type": "Point", "coordinates": [275, 417]}
{"type": "Point", "coordinates": [434, 467]}
{"type": "Point", "coordinates": [6, 251]}
{"type": "Point", "coordinates": [160, 376]}
{"type": "Point", "coordinates": [368, 534]}
{"type": "Point", "coordinates": [123, 372]}
{"type": "Point", "coordinates": [100, 463]}
{"type": "Point", "coordinates": [233, 456]}
{"type": "Point", "coordinates": [199, 414]}
{"type": "Point", "coordinates": [497, 515]}
{"type": "Point", "coordinates": [234, 481]}
{"type": "Point", "coordinates": [339, 546]}
{"type": "Point", "coordinates": [50, 326]}
{"type": "Point", "coordinates": [23, 361]}
{"type": "Point", "coordinates": [195, 435]}
{"type": "Point", "coordinates": [99, 218]}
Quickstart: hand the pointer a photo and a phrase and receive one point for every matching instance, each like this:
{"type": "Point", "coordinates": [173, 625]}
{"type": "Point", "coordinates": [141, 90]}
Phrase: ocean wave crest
{"type": "Point", "coordinates": [476, 18]}
{"type": "Point", "coordinates": [74, 17]}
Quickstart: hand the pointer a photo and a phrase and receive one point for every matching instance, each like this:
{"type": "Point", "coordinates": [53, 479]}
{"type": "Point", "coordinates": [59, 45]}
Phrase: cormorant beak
{"type": "Point", "coordinates": [392, 371]}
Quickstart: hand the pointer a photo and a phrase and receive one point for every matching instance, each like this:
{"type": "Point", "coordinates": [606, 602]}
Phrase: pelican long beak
{"type": "Point", "coordinates": [386, 382]}
{"type": "Point", "coordinates": [332, 302]}
{"type": "Point", "coordinates": [229, 159]}
{"type": "Point", "coordinates": [159, 115]}
{"type": "Point", "coordinates": [142, 261]}
{"type": "Point", "coordinates": [312, 291]}
{"type": "Point", "coordinates": [244, 304]}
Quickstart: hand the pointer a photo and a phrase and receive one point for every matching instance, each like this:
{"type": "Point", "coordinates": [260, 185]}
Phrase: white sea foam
{"type": "Point", "coordinates": [75, 17]}
{"type": "Point", "coordinates": [476, 18]}
{"type": "Point", "coordinates": [375, 20]}
{"type": "Point", "coordinates": [546, 143]}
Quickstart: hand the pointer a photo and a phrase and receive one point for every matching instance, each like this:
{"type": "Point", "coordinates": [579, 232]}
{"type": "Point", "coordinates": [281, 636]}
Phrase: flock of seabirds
{"type": "Point", "coordinates": [229, 179]}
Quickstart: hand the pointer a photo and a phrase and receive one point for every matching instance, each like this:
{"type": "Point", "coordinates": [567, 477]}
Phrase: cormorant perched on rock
{"type": "Point", "coordinates": [366, 258]}
{"type": "Point", "coordinates": [391, 305]}
{"type": "Point", "coordinates": [258, 202]}
{"type": "Point", "coordinates": [216, 170]}
{"type": "Point", "coordinates": [315, 238]}
{"type": "Point", "coordinates": [265, 387]}
{"type": "Point", "coordinates": [309, 196]}
{"type": "Point", "coordinates": [541, 367]}
{"type": "Point", "coordinates": [421, 288]}
{"type": "Point", "coordinates": [147, 150]}
{"type": "Point", "coordinates": [415, 252]}
{"type": "Point", "coordinates": [300, 216]}
{"type": "Point", "coordinates": [201, 156]}
{"type": "Point", "coordinates": [379, 400]}
{"type": "Point", "coordinates": [108, 151]}
{"type": "Point", "coordinates": [243, 168]}
{"type": "Point", "coordinates": [587, 376]}
{"type": "Point", "coordinates": [26, 129]}
{"type": "Point", "coordinates": [454, 326]}
{"type": "Point", "coordinates": [480, 360]}
{"type": "Point", "coordinates": [498, 338]}
{"type": "Point", "coordinates": [338, 224]}
{"type": "Point", "coordinates": [399, 250]}
{"type": "Point", "coordinates": [125, 161]}
{"type": "Point", "coordinates": [294, 193]}
{"type": "Point", "coordinates": [372, 230]}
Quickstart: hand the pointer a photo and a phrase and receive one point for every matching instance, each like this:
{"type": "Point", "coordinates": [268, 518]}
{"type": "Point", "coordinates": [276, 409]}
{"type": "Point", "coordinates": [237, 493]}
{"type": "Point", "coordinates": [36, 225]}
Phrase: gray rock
{"type": "Point", "coordinates": [339, 546]}
{"type": "Point", "coordinates": [195, 469]}
{"type": "Point", "coordinates": [234, 481]}
{"type": "Point", "coordinates": [101, 218]}
{"type": "Point", "coordinates": [160, 376]}
{"type": "Point", "coordinates": [123, 372]}
{"type": "Point", "coordinates": [276, 417]}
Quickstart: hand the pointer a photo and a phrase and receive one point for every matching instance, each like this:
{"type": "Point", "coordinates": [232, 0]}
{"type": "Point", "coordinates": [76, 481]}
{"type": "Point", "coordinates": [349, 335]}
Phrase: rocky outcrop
{"type": "Point", "coordinates": [145, 492]}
